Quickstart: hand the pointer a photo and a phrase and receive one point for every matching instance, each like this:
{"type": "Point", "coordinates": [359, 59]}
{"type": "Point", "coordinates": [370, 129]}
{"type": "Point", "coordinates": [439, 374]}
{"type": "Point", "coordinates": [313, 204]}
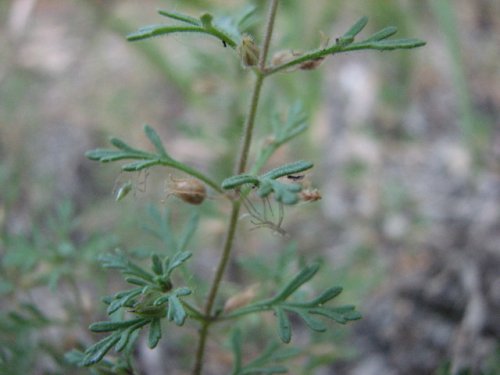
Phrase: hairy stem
{"type": "Point", "coordinates": [242, 162]}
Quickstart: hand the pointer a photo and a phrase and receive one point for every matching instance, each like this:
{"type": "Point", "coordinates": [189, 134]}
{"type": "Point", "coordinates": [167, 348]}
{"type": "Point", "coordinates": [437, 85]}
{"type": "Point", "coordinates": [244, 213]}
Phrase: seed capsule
{"type": "Point", "coordinates": [190, 190]}
{"type": "Point", "coordinates": [248, 52]}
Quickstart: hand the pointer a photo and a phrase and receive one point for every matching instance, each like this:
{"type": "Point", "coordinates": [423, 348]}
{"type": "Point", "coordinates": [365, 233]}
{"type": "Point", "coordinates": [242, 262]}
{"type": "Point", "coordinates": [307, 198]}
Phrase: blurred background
{"type": "Point", "coordinates": [406, 147]}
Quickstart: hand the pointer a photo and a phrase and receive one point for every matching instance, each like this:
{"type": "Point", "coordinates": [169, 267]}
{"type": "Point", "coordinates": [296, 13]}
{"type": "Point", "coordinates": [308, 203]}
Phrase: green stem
{"type": "Point", "coordinates": [233, 221]}
{"type": "Point", "coordinates": [248, 133]}
{"type": "Point", "coordinates": [336, 48]}
{"type": "Point", "coordinates": [249, 125]}
{"type": "Point", "coordinates": [258, 307]}
{"type": "Point", "coordinates": [193, 172]}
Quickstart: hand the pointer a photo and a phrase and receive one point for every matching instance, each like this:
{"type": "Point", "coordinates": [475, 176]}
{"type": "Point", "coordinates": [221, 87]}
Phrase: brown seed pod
{"type": "Point", "coordinates": [311, 64]}
{"type": "Point", "coordinates": [190, 190]}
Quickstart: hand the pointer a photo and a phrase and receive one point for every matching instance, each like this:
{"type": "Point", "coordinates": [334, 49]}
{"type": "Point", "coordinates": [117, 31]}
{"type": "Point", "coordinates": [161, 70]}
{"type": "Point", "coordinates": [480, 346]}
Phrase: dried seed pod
{"type": "Point", "coordinates": [311, 64]}
{"type": "Point", "coordinates": [282, 57]}
{"type": "Point", "coordinates": [248, 51]}
{"type": "Point", "coordinates": [310, 195]}
{"type": "Point", "coordinates": [190, 190]}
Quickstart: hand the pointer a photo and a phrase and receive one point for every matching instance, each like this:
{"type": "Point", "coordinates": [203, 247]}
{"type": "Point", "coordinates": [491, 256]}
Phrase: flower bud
{"type": "Point", "coordinates": [190, 190]}
{"type": "Point", "coordinates": [248, 51]}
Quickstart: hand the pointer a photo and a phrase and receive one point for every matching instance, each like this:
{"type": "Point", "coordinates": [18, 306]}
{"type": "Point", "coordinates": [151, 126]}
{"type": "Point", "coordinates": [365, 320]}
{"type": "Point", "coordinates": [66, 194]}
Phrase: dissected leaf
{"type": "Point", "coordinates": [340, 315]}
{"type": "Point", "coordinates": [236, 346]}
{"type": "Point", "coordinates": [284, 327]}
{"type": "Point", "coordinates": [112, 326]}
{"type": "Point", "coordinates": [118, 143]}
{"type": "Point", "coordinates": [180, 17]}
{"type": "Point", "coordinates": [324, 297]}
{"type": "Point", "coordinates": [301, 278]}
{"type": "Point", "coordinates": [177, 261]}
{"type": "Point", "coordinates": [150, 31]}
{"type": "Point", "coordinates": [155, 140]}
{"type": "Point", "coordinates": [386, 45]}
{"type": "Point", "coordinates": [313, 323]}
{"type": "Point", "coordinates": [139, 165]}
{"type": "Point", "coordinates": [157, 266]}
{"type": "Point", "coordinates": [154, 335]}
{"type": "Point", "coordinates": [288, 169]}
{"type": "Point", "coordinates": [176, 311]}
{"type": "Point", "coordinates": [97, 351]}
{"type": "Point", "coordinates": [382, 34]}
{"type": "Point", "coordinates": [238, 180]}
{"type": "Point", "coordinates": [356, 28]}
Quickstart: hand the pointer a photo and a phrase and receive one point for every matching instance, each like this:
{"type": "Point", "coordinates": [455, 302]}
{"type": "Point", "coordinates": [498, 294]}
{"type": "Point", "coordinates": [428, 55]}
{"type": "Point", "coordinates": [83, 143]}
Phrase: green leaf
{"type": "Point", "coordinates": [161, 300]}
{"type": "Point", "coordinates": [108, 326]}
{"type": "Point", "coordinates": [177, 260]}
{"type": "Point", "coordinates": [183, 291]}
{"type": "Point", "coordinates": [288, 169]}
{"type": "Point", "coordinates": [124, 338]}
{"type": "Point", "coordinates": [107, 155]}
{"type": "Point", "coordinates": [238, 180]}
{"type": "Point", "coordinates": [154, 333]}
{"type": "Point", "coordinates": [314, 324]}
{"type": "Point", "coordinates": [224, 29]}
{"type": "Point", "coordinates": [324, 297]}
{"type": "Point", "coordinates": [180, 17]}
{"type": "Point", "coordinates": [176, 311]}
{"type": "Point", "coordinates": [118, 143]}
{"type": "Point", "coordinates": [136, 281]}
{"type": "Point", "coordinates": [120, 262]}
{"type": "Point", "coordinates": [157, 266]}
{"type": "Point", "coordinates": [301, 278]}
{"type": "Point", "coordinates": [159, 30]}
{"type": "Point", "coordinates": [340, 315]}
{"type": "Point", "coordinates": [156, 141]}
{"type": "Point", "coordinates": [236, 346]}
{"type": "Point", "coordinates": [356, 28]}
{"type": "Point", "coordinates": [97, 351]}
{"type": "Point", "coordinates": [138, 165]}
{"type": "Point", "coordinates": [122, 299]}
{"type": "Point", "coordinates": [386, 45]}
{"type": "Point", "coordinates": [284, 327]}
{"type": "Point", "coordinates": [382, 34]}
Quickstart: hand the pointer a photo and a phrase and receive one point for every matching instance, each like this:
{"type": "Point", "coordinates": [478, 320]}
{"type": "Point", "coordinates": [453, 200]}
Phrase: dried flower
{"type": "Point", "coordinates": [248, 51]}
{"type": "Point", "coordinates": [311, 64]}
{"type": "Point", "coordinates": [310, 195]}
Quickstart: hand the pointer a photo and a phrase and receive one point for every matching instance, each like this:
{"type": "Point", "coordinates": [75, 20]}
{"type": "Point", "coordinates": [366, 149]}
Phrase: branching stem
{"type": "Point", "coordinates": [241, 167]}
